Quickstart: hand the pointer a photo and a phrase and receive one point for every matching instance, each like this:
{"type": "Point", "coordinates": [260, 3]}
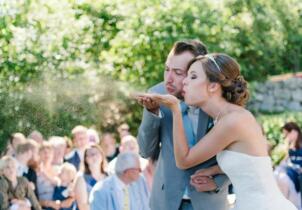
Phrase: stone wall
{"type": "Point", "coordinates": [276, 96]}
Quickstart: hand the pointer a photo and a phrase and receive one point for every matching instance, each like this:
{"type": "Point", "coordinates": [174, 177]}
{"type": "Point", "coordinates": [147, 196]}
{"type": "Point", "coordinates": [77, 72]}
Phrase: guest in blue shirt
{"type": "Point", "coordinates": [121, 191]}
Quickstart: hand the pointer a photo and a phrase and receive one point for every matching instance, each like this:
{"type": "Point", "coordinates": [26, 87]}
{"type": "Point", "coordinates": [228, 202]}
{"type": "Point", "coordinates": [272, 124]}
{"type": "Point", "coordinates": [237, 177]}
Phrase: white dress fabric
{"type": "Point", "coordinates": [253, 181]}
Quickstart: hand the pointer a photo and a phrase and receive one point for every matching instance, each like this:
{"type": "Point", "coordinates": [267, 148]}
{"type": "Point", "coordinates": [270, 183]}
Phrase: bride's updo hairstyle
{"type": "Point", "coordinates": [223, 69]}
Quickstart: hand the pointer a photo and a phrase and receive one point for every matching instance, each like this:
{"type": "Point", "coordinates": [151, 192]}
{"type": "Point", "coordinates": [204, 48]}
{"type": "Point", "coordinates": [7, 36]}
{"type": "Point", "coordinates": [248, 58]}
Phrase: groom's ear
{"type": "Point", "coordinates": [213, 86]}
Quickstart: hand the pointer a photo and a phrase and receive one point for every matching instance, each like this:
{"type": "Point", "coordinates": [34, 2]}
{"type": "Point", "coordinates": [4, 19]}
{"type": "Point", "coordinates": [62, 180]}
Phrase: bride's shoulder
{"type": "Point", "coordinates": [239, 117]}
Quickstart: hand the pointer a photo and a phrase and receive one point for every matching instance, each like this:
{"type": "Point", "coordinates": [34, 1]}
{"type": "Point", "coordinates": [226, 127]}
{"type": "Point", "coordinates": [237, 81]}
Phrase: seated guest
{"type": "Point", "coordinates": [63, 193]}
{"type": "Point", "coordinates": [60, 145]}
{"type": "Point", "coordinates": [288, 172]}
{"type": "Point", "coordinates": [108, 144]}
{"type": "Point", "coordinates": [123, 130]}
{"type": "Point", "coordinates": [80, 141]}
{"type": "Point", "coordinates": [15, 192]}
{"type": "Point", "coordinates": [118, 191]}
{"type": "Point", "coordinates": [128, 144]}
{"type": "Point", "coordinates": [27, 158]}
{"type": "Point", "coordinates": [47, 176]}
{"type": "Point", "coordinates": [93, 136]}
{"type": "Point", "coordinates": [23, 155]}
{"type": "Point", "coordinates": [36, 136]}
{"type": "Point", "coordinates": [94, 170]}
{"type": "Point", "coordinates": [63, 196]}
{"type": "Point", "coordinates": [14, 141]}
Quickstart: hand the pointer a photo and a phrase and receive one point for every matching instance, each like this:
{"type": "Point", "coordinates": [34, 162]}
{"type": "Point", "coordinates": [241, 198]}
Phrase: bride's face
{"type": "Point", "coordinates": [196, 85]}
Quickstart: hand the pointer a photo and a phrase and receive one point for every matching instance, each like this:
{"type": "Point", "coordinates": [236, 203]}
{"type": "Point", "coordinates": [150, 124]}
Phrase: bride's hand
{"type": "Point", "coordinates": [211, 171]}
{"type": "Point", "coordinates": [167, 100]}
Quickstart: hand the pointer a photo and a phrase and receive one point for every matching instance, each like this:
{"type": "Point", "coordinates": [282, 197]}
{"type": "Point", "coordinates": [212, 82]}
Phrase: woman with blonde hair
{"type": "Point", "coordinates": [15, 192]}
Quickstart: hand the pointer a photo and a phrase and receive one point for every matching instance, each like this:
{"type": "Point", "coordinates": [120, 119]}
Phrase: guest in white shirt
{"type": "Point", "coordinates": [23, 155]}
{"type": "Point", "coordinates": [128, 144]}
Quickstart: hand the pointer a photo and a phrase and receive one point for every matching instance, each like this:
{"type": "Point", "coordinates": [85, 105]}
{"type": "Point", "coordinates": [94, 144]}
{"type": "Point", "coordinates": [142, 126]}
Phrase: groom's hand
{"type": "Point", "coordinates": [203, 183]}
{"type": "Point", "coordinates": [149, 104]}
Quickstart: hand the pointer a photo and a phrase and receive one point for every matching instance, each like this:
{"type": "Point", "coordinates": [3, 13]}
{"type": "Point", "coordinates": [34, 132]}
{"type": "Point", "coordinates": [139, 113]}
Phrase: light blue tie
{"type": "Point", "coordinates": [187, 125]}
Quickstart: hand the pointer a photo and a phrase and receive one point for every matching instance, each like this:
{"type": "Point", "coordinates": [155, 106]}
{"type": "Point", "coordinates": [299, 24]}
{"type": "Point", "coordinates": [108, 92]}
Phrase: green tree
{"type": "Point", "coordinates": [67, 62]}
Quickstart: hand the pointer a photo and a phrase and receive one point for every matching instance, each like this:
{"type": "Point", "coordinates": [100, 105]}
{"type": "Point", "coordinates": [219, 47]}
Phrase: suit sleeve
{"type": "Point", "coordinates": [98, 200]}
{"type": "Point", "coordinates": [148, 135]}
{"type": "Point", "coordinates": [222, 181]}
{"type": "Point", "coordinates": [4, 201]}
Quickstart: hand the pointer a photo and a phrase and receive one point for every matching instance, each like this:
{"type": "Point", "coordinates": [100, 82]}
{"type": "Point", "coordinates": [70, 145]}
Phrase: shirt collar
{"type": "Point", "coordinates": [193, 110]}
{"type": "Point", "coordinates": [120, 184]}
{"type": "Point", "coordinates": [22, 169]}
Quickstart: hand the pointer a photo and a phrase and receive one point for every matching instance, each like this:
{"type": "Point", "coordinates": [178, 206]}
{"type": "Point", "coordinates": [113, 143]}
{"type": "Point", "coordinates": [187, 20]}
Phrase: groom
{"type": "Point", "coordinates": [171, 186]}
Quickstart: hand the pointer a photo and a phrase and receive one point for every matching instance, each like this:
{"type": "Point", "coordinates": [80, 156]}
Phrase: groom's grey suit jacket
{"type": "Point", "coordinates": [155, 136]}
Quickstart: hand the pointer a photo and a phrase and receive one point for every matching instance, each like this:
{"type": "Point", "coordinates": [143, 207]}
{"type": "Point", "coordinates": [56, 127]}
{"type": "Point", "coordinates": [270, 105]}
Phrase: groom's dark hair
{"type": "Point", "coordinates": [195, 47]}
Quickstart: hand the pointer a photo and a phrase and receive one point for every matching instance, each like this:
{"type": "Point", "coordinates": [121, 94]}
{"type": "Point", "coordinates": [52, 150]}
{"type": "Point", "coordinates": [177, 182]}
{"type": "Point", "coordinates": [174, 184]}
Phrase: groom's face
{"type": "Point", "coordinates": [176, 72]}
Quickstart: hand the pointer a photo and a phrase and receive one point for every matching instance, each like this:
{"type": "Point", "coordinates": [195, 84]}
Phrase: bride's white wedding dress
{"type": "Point", "coordinates": [253, 181]}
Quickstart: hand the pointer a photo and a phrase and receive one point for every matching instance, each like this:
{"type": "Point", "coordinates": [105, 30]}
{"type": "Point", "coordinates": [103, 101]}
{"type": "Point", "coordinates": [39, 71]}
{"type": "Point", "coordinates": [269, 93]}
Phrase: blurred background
{"type": "Point", "coordinates": [69, 62]}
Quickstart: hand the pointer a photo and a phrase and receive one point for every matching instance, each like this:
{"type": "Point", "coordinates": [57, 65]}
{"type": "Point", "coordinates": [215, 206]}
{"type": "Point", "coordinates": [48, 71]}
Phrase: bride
{"type": "Point", "coordinates": [214, 84]}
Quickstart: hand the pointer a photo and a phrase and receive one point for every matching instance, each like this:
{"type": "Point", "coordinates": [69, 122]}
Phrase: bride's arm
{"type": "Point", "coordinates": [223, 134]}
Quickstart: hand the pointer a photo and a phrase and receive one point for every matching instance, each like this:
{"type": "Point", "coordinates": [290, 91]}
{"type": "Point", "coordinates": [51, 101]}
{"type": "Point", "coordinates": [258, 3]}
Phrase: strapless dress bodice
{"type": "Point", "coordinates": [253, 181]}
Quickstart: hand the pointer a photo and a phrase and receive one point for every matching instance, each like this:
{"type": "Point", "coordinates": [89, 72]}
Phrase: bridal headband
{"type": "Point", "coordinates": [209, 56]}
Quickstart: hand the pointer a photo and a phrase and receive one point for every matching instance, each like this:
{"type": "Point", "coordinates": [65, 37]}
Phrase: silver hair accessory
{"type": "Point", "coordinates": [209, 56]}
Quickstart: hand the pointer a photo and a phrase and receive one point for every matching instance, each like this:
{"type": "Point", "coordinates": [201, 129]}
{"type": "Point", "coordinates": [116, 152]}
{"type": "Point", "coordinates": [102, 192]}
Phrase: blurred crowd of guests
{"type": "Point", "coordinates": [89, 172]}
{"type": "Point", "coordinates": [86, 172]}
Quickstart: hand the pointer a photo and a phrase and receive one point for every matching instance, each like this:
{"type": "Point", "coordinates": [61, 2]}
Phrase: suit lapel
{"type": "Point", "coordinates": [203, 121]}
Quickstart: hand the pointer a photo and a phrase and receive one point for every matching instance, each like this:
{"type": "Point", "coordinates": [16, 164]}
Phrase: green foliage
{"type": "Point", "coordinates": [272, 124]}
{"type": "Point", "coordinates": [255, 32]}
{"type": "Point", "coordinates": [60, 59]}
